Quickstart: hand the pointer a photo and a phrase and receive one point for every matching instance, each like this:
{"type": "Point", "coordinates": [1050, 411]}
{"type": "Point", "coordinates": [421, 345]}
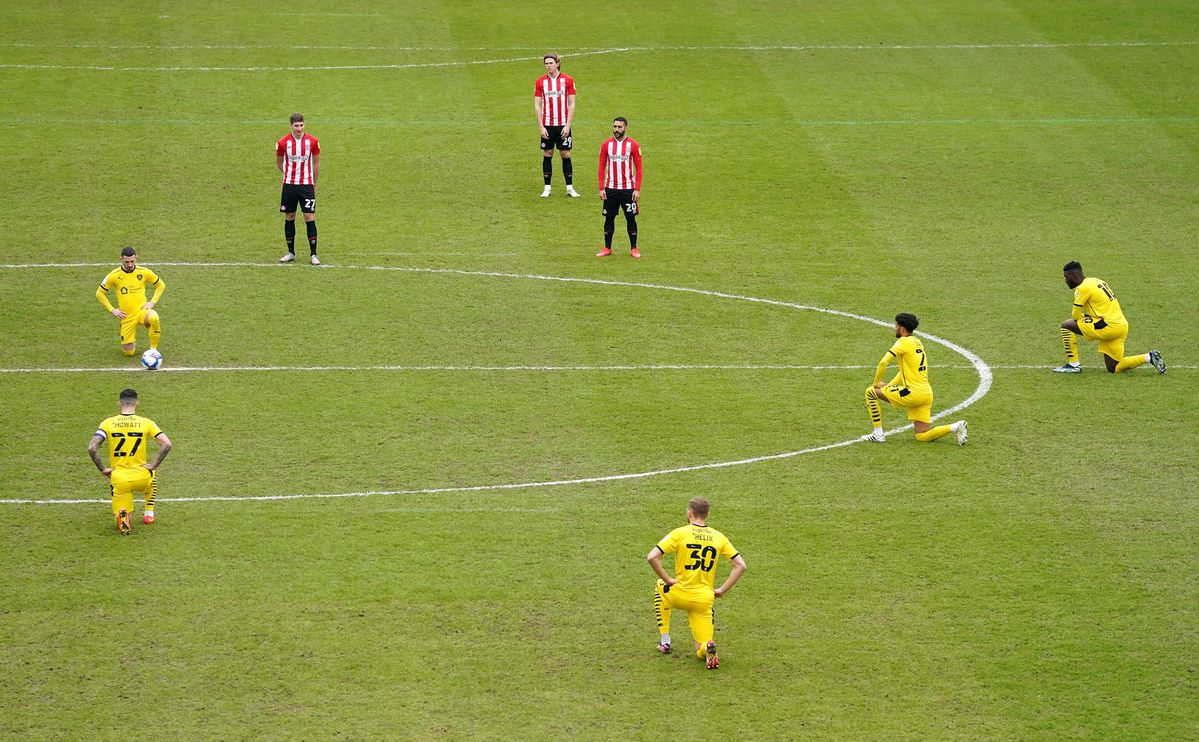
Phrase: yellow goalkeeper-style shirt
{"type": "Point", "coordinates": [909, 355]}
{"type": "Point", "coordinates": [696, 550]}
{"type": "Point", "coordinates": [130, 288]}
{"type": "Point", "coordinates": [127, 436]}
{"type": "Point", "coordinates": [1094, 298]}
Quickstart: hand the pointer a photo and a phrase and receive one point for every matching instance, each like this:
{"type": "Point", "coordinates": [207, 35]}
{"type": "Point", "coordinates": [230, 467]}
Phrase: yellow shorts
{"type": "Point", "coordinates": [1111, 337]}
{"type": "Point", "coordinates": [127, 480]}
{"type": "Point", "coordinates": [699, 608]}
{"type": "Point", "coordinates": [129, 326]}
{"type": "Point", "coordinates": [918, 406]}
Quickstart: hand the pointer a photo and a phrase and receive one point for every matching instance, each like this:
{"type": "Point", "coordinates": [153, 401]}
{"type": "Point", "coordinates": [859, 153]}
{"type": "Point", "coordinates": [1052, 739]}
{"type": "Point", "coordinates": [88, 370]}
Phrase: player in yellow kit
{"type": "Point", "coordinates": [909, 389]}
{"type": "Point", "coordinates": [128, 435]}
{"type": "Point", "coordinates": [1097, 316]}
{"type": "Point", "coordinates": [129, 284]}
{"type": "Point", "coordinates": [697, 548]}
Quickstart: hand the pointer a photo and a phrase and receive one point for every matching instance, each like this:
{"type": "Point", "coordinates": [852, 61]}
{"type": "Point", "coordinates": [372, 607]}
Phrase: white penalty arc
{"type": "Point", "coordinates": [573, 54]}
{"type": "Point", "coordinates": [985, 379]}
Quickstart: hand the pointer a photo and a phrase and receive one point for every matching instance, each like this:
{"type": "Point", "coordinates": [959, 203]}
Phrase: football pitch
{"type": "Point", "coordinates": [412, 489]}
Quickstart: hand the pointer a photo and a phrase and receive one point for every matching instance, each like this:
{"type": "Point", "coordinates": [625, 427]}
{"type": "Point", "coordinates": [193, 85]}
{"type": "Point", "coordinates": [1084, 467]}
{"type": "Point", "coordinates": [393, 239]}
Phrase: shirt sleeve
{"type": "Point", "coordinates": [1081, 295]}
{"type": "Point", "coordinates": [570, 86]}
{"type": "Point", "coordinates": [637, 163]}
{"type": "Point", "coordinates": [669, 543]}
{"type": "Point", "coordinates": [279, 148]}
{"type": "Point", "coordinates": [100, 431]}
{"type": "Point", "coordinates": [603, 163]}
{"type": "Point", "coordinates": [727, 550]}
{"type": "Point", "coordinates": [537, 88]}
{"type": "Point", "coordinates": [894, 352]}
{"type": "Point", "coordinates": [316, 146]}
{"type": "Point", "coordinates": [152, 429]}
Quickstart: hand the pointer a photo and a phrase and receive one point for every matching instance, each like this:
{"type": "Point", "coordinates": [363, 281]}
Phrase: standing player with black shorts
{"type": "Point", "coordinates": [620, 174]}
{"type": "Point", "coordinates": [298, 157]}
{"type": "Point", "coordinates": [554, 103]}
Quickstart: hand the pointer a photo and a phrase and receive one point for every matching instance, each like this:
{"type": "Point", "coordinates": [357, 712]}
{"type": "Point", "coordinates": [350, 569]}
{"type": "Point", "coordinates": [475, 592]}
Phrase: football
{"type": "Point", "coordinates": [151, 359]}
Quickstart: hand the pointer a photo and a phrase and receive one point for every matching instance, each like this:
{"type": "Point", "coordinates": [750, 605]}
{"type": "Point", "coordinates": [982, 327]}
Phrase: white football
{"type": "Point", "coordinates": [151, 359]}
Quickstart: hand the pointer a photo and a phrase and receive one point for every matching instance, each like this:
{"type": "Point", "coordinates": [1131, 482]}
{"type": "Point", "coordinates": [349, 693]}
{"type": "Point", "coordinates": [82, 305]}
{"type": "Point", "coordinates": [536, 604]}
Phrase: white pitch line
{"type": "Point", "coordinates": [985, 380]}
{"type": "Point", "coordinates": [514, 368]}
{"type": "Point", "coordinates": [614, 50]}
{"type": "Point", "coordinates": [405, 66]}
{"type": "Point", "coordinates": [387, 367]}
{"type": "Point", "coordinates": [585, 50]}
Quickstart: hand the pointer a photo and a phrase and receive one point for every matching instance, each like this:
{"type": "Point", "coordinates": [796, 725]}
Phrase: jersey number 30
{"type": "Point", "coordinates": [704, 557]}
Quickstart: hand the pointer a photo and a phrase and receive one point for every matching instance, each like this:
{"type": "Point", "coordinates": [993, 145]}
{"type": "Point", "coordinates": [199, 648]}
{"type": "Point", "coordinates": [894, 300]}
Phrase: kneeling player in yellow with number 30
{"type": "Point", "coordinates": [1096, 315]}
{"type": "Point", "coordinates": [129, 472]}
{"type": "Point", "coordinates": [909, 389]}
{"type": "Point", "coordinates": [129, 284]}
{"type": "Point", "coordinates": [696, 548]}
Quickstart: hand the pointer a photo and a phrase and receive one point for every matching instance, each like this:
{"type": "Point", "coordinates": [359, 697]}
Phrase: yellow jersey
{"type": "Point", "coordinates": [909, 355]}
{"type": "Point", "coordinates": [1094, 298]}
{"type": "Point", "coordinates": [696, 550]}
{"type": "Point", "coordinates": [130, 288]}
{"type": "Point", "coordinates": [127, 435]}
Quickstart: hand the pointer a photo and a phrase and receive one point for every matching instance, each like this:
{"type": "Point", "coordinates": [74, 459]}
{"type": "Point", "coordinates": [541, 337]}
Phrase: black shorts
{"type": "Point", "coordinates": [618, 200]}
{"type": "Point", "coordinates": [303, 196]}
{"type": "Point", "coordinates": [555, 139]}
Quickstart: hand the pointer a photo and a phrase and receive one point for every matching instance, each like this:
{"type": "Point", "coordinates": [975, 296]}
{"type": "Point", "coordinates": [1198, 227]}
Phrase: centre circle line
{"type": "Point", "coordinates": [985, 380]}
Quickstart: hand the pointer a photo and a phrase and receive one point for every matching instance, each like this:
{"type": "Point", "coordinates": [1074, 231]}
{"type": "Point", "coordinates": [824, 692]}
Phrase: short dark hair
{"type": "Point", "coordinates": [127, 251]}
{"type": "Point", "coordinates": [553, 56]}
{"type": "Point", "coordinates": [621, 119]}
{"type": "Point", "coordinates": [1073, 265]}
{"type": "Point", "coordinates": [907, 321]}
{"type": "Point", "coordinates": [699, 506]}
{"type": "Point", "coordinates": [297, 117]}
{"type": "Point", "coordinates": [128, 395]}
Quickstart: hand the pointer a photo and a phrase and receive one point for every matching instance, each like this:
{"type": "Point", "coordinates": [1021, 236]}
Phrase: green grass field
{"type": "Point", "coordinates": [866, 158]}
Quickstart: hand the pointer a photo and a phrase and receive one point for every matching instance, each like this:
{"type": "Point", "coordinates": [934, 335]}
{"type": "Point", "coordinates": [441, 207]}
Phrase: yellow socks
{"type": "Point", "coordinates": [1070, 345]}
{"type": "Point", "coordinates": [933, 434]}
{"type": "Point", "coordinates": [661, 612]}
{"type": "Point", "coordinates": [1128, 363]}
{"type": "Point", "coordinates": [872, 407]}
{"type": "Point", "coordinates": [151, 492]}
{"type": "Point", "coordinates": [155, 324]}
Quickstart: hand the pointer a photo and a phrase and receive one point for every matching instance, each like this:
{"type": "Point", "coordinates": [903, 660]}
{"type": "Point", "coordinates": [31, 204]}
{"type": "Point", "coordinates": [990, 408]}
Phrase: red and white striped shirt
{"type": "Point", "coordinates": [620, 165]}
{"type": "Point", "coordinates": [297, 157]}
{"type": "Point", "coordinates": [554, 94]}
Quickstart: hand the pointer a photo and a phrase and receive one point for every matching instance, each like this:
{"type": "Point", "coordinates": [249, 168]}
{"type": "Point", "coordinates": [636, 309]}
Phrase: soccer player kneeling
{"type": "Point", "coordinates": [696, 548]}
{"type": "Point", "coordinates": [909, 389]}
{"type": "Point", "coordinates": [128, 471]}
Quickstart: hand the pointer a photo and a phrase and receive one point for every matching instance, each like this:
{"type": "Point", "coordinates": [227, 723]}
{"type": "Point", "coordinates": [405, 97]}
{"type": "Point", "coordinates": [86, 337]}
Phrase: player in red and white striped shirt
{"type": "Point", "coordinates": [620, 174]}
{"type": "Point", "coordinates": [298, 157]}
{"type": "Point", "coordinates": [554, 103]}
